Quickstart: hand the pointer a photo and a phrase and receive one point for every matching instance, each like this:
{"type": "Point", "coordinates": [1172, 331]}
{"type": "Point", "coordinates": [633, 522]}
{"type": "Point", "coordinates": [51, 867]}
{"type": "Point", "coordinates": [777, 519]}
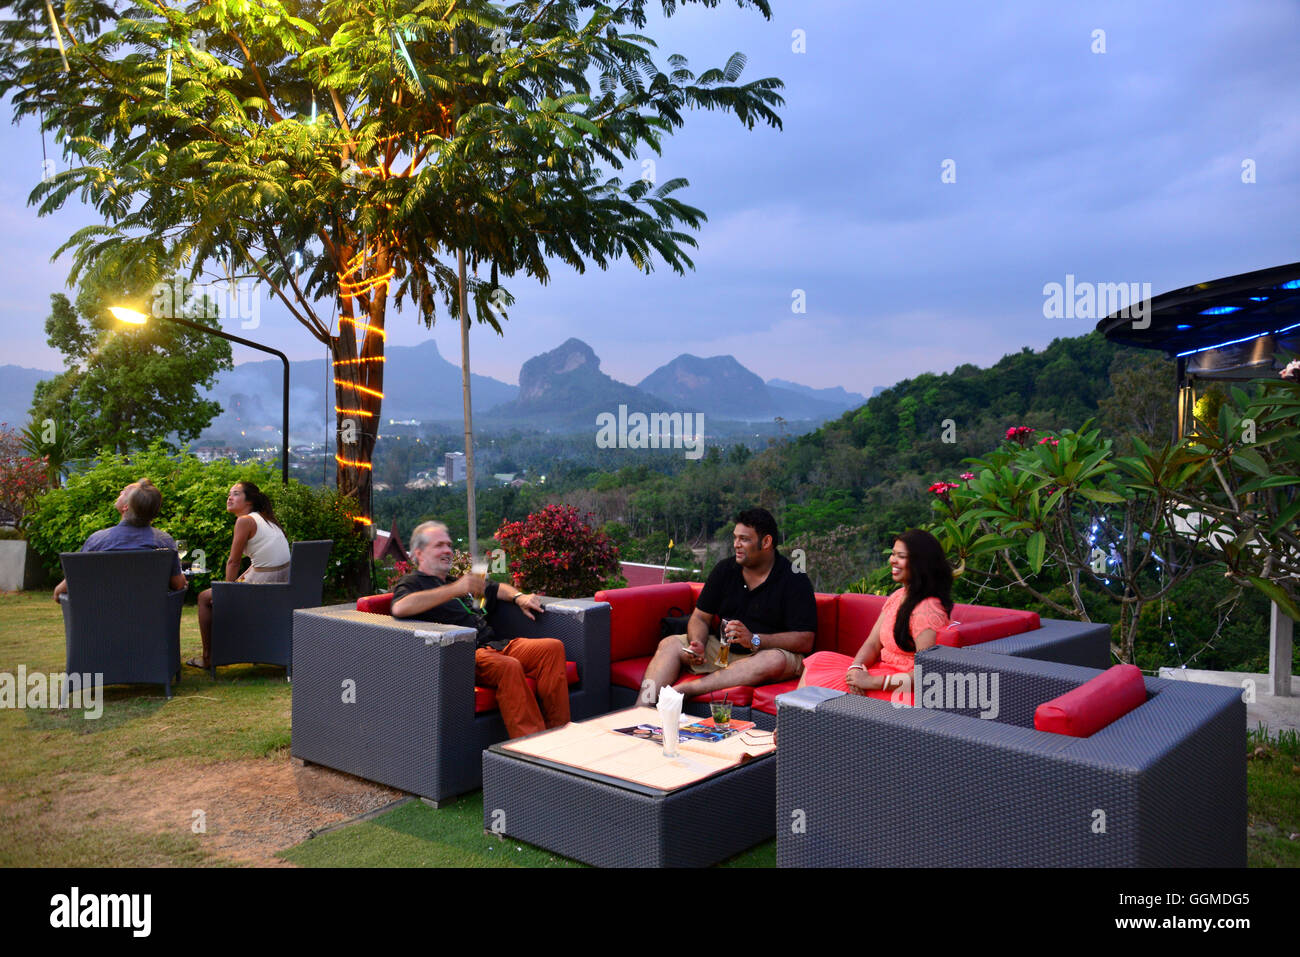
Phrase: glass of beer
{"type": "Point", "coordinates": [724, 653]}
{"type": "Point", "coordinates": [479, 568]}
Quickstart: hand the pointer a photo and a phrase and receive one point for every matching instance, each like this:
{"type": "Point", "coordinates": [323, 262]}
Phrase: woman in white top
{"type": "Point", "coordinates": [257, 535]}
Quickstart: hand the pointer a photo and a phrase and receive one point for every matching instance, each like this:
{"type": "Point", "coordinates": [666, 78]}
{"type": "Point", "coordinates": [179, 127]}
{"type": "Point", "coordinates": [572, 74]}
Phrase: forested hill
{"type": "Point", "coordinates": [871, 467]}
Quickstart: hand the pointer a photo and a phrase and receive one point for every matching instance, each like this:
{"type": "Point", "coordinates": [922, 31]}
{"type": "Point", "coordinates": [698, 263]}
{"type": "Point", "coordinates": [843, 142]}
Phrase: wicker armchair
{"type": "Point", "coordinates": [254, 622]}
{"type": "Point", "coordinates": [392, 700]}
{"type": "Point", "coordinates": [119, 619]}
{"type": "Point", "coordinates": [1162, 786]}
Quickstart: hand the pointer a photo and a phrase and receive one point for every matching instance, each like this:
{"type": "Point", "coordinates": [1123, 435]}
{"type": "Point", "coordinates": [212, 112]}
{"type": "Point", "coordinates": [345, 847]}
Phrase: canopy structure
{"type": "Point", "coordinates": [1230, 328]}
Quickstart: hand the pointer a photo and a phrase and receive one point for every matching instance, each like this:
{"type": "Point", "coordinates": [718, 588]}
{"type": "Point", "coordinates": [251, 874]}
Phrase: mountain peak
{"type": "Point", "coordinates": [573, 358]}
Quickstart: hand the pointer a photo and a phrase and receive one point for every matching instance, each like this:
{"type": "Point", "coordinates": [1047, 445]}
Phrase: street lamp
{"type": "Point", "coordinates": [137, 318]}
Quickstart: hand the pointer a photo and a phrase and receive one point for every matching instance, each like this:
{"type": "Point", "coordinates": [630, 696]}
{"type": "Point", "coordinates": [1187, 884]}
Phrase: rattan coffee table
{"type": "Point", "coordinates": [608, 821]}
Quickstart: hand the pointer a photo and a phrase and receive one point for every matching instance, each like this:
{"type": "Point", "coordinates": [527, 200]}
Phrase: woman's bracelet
{"type": "Point", "coordinates": [858, 667]}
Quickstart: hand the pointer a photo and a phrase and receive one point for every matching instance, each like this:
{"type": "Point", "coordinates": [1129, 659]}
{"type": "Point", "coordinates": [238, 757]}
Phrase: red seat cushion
{"type": "Point", "coordinates": [630, 672]}
{"type": "Point", "coordinates": [485, 699]}
{"type": "Point", "coordinates": [765, 695]}
{"type": "Point", "coordinates": [376, 604]}
{"type": "Point", "coordinates": [1094, 704]}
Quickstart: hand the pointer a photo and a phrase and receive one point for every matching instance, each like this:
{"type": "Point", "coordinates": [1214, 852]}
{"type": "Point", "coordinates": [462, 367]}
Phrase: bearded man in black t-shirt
{"type": "Point", "coordinates": [431, 594]}
{"type": "Point", "coordinates": [768, 612]}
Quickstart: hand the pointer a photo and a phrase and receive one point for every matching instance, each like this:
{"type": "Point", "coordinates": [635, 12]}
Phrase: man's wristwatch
{"type": "Point", "coordinates": [753, 642]}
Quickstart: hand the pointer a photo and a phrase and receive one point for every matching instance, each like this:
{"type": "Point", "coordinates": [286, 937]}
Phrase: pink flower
{"type": "Point", "coordinates": [1046, 439]}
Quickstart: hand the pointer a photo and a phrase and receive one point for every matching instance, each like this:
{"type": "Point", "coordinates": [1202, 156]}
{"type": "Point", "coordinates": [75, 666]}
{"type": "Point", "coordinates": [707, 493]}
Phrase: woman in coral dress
{"type": "Point", "coordinates": [909, 622]}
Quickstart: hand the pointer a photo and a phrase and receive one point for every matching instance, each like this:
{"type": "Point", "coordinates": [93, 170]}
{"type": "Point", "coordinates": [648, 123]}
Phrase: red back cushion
{"type": "Point", "coordinates": [857, 616]}
{"type": "Point", "coordinates": [634, 615]}
{"type": "Point", "coordinates": [828, 623]}
{"type": "Point", "coordinates": [376, 604]}
{"type": "Point", "coordinates": [1094, 704]}
{"type": "Point", "coordinates": [975, 624]}
{"type": "Point", "coordinates": [696, 588]}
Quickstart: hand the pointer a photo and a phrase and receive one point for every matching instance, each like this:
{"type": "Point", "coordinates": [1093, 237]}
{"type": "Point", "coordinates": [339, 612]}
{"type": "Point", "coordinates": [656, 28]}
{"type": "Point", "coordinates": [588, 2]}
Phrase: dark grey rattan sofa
{"type": "Point", "coordinates": [392, 700]}
{"type": "Point", "coordinates": [861, 783]}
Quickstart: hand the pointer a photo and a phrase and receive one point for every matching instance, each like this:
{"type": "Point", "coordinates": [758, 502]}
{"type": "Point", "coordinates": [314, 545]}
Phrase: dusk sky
{"type": "Point", "coordinates": [1116, 166]}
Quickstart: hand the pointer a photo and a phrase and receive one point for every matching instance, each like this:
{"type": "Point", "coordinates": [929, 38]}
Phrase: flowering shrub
{"type": "Point", "coordinates": [22, 478]}
{"type": "Point", "coordinates": [1019, 434]}
{"type": "Point", "coordinates": [555, 552]}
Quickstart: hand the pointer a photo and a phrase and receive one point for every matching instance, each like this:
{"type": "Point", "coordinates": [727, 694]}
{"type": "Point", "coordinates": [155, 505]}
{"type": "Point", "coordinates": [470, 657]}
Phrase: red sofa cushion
{"type": "Point", "coordinates": [828, 622]}
{"type": "Point", "coordinates": [765, 695]}
{"type": "Point", "coordinates": [635, 613]}
{"type": "Point", "coordinates": [376, 604]}
{"type": "Point", "coordinates": [485, 699]}
{"type": "Point", "coordinates": [1094, 704]}
{"type": "Point", "coordinates": [857, 616]}
{"type": "Point", "coordinates": [630, 672]}
{"type": "Point", "coordinates": [975, 624]}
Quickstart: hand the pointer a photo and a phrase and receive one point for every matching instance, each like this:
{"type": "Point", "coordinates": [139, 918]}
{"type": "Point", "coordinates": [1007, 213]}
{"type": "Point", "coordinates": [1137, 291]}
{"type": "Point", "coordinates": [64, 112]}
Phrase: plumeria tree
{"type": "Point", "coordinates": [1248, 457]}
{"type": "Point", "coordinates": [351, 156]}
{"type": "Point", "coordinates": [1064, 510]}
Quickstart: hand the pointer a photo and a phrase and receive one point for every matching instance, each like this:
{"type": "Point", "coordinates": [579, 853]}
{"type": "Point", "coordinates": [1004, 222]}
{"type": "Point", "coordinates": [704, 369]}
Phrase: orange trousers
{"type": "Point", "coordinates": [541, 659]}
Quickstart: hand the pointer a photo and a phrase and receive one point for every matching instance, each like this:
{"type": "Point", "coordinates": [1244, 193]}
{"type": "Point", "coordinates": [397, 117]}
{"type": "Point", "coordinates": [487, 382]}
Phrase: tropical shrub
{"type": "Point", "coordinates": [22, 479]}
{"type": "Point", "coordinates": [555, 552]}
{"type": "Point", "coordinates": [194, 511]}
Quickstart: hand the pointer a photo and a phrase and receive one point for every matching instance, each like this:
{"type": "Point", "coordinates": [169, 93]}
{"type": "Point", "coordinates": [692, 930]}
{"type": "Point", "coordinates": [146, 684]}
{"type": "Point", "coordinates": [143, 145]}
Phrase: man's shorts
{"type": "Point", "coordinates": [793, 661]}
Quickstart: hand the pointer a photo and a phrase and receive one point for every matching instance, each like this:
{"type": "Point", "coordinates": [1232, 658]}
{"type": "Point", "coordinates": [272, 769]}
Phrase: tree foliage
{"type": "Point", "coordinates": [125, 386]}
{"type": "Point", "coordinates": [341, 153]}
{"type": "Point", "coordinates": [193, 510]}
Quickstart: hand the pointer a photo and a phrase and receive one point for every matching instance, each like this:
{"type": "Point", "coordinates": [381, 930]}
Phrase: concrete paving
{"type": "Point", "coordinates": [1275, 713]}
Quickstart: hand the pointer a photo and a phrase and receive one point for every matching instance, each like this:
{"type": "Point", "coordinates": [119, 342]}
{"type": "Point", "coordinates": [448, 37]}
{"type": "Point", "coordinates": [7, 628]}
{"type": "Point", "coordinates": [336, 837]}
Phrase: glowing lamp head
{"type": "Point", "coordinates": [123, 314]}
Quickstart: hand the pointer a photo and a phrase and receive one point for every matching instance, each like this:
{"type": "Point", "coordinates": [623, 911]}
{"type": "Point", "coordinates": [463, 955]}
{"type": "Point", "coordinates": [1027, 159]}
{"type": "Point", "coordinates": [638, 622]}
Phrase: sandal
{"type": "Point", "coordinates": [197, 662]}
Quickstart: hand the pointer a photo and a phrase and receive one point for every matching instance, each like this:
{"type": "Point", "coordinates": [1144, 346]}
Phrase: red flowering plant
{"type": "Point", "coordinates": [22, 478]}
{"type": "Point", "coordinates": [555, 552]}
{"type": "Point", "coordinates": [1019, 434]}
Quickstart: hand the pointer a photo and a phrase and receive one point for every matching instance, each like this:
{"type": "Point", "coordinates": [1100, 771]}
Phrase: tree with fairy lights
{"type": "Point", "coordinates": [356, 154]}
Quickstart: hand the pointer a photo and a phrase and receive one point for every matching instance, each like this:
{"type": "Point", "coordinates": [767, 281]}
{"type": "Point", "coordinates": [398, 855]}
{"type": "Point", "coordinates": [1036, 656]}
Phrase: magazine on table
{"type": "Point", "coordinates": [702, 730]}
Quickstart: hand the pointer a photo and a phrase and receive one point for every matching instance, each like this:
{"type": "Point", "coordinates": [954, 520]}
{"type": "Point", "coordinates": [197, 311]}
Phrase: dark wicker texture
{"type": "Point", "coordinates": [119, 619]}
{"type": "Point", "coordinates": [412, 724]}
{"type": "Point", "coordinates": [875, 785]}
{"type": "Point", "coordinates": [254, 622]}
{"type": "Point", "coordinates": [623, 825]}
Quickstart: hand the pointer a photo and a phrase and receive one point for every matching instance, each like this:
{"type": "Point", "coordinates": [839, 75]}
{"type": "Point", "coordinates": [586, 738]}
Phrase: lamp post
{"type": "Point", "coordinates": [137, 318]}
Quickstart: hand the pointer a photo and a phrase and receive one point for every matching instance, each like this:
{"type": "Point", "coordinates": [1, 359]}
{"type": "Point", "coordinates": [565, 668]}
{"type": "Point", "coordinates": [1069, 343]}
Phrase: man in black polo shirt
{"type": "Point", "coordinates": [431, 594]}
{"type": "Point", "coordinates": [769, 619]}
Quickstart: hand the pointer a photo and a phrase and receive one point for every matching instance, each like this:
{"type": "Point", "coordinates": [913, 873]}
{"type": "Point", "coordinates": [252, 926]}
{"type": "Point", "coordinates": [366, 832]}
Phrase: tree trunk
{"type": "Point", "coordinates": [358, 355]}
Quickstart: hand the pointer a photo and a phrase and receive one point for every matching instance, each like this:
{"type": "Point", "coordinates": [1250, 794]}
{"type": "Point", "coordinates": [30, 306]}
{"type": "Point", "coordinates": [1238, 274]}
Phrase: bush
{"type": "Point", "coordinates": [22, 479]}
{"type": "Point", "coordinates": [193, 511]}
{"type": "Point", "coordinates": [555, 552]}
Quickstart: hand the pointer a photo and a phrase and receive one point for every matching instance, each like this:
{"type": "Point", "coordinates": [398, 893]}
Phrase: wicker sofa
{"type": "Point", "coordinates": [393, 700]}
{"type": "Point", "coordinates": [1162, 786]}
{"type": "Point", "coordinates": [843, 623]}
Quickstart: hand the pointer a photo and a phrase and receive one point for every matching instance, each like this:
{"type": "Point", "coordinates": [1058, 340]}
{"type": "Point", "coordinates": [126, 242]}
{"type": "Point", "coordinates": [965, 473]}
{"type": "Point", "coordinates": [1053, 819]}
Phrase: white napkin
{"type": "Point", "coordinates": [670, 718]}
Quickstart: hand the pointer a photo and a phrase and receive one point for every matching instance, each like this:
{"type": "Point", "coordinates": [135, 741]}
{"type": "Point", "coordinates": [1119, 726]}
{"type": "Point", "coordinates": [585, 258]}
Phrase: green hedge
{"type": "Point", "coordinates": [193, 510]}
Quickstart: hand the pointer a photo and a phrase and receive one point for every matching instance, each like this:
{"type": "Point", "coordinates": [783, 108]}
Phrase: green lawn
{"type": "Point", "coordinates": [58, 771]}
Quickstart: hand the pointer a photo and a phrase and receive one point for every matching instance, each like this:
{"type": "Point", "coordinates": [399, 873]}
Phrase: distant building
{"type": "Point", "coordinates": [212, 453]}
{"type": "Point", "coordinates": [454, 466]}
